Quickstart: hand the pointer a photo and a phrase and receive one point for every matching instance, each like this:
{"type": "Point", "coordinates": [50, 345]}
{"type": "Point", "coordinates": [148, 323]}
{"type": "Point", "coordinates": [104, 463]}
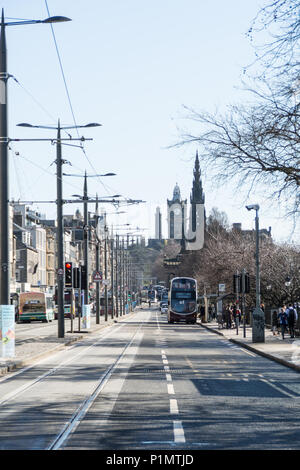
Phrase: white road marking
{"type": "Point", "coordinates": [124, 362]}
{"type": "Point", "coordinates": [178, 432]}
{"type": "Point", "coordinates": [169, 377]}
{"type": "Point", "coordinates": [170, 389]}
{"type": "Point", "coordinates": [173, 407]}
{"type": "Point", "coordinates": [278, 388]}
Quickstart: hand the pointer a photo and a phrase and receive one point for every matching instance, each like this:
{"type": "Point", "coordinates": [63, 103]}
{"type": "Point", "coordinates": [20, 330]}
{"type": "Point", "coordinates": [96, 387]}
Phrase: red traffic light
{"type": "Point", "coordinates": [68, 265]}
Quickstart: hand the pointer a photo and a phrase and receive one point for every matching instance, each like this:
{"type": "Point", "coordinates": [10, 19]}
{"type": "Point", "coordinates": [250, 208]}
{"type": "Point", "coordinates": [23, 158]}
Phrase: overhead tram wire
{"type": "Point", "coordinates": [62, 70]}
{"type": "Point", "coordinates": [70, 103]}
{"type": "Point", "coordinates": [45, 170]}
{"type": "Point", "coordinates": [68, 96]}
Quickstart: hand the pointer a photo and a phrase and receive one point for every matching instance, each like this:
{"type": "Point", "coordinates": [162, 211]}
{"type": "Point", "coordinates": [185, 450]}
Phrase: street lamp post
{"type": "Point", "coordinates": [86, 240]}
{"type": "Point", "coordinates": [258, 327]}
{"type": "Point", "coordinates": [60, 222]}
{"type": "Point", "coordinates": [4, 164]}
{"type": "Point", "coordinates": [97, 264]}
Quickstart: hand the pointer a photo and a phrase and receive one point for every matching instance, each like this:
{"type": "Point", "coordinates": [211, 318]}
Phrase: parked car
{"type": "Point", "coordinates": [163, 307]}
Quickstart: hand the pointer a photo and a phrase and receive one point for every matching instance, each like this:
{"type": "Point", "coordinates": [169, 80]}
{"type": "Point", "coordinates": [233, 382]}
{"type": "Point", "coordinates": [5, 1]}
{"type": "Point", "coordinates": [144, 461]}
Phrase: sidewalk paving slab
{"type": "Point", "coordinates": [285, 352]}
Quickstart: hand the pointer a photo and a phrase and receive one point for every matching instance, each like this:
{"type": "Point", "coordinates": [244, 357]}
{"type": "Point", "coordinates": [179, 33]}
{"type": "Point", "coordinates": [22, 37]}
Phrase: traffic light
{"type": "Point", "coordinates": [76, 278]}
{"type": "Point", "coordinates": [238, 283]}
{"type": "Point", "coordinates": [68, 275]}
{"type": "Point", "coordinates": [83, 277]}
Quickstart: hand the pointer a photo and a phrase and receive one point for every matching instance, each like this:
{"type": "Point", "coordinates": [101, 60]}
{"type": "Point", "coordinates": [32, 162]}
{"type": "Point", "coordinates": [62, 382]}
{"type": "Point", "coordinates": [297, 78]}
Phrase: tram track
{"type": "Point", "coordinates": [84, 407]}
{"type": "Point", "coordinates": [15, 393]}
{"type": "Point", "coordinates": [63, 429]}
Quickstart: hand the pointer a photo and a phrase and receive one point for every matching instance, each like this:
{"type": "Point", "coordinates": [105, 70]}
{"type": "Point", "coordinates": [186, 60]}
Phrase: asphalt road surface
{"type": "Point", "coordinates": [147, 384]}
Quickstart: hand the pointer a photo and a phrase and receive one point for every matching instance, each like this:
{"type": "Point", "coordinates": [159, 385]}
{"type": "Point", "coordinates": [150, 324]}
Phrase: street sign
{"type": "Point", "coordinates": [221, 287]}
{"type": "Point", "coordinates": [97, 277]}
{"type": "Point", "coordinates": [60, 272]}
{"type": "Point", "coordinates": [105, 282]}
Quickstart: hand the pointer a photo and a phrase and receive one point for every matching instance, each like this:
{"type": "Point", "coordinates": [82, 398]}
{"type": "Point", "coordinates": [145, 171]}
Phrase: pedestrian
{"type": "Point", "coordinates": [283, 320]}
{"type": "Point", "coordinates": [292, 319]}
{"type": "Point", "coordinates": [223, 316]}
{"type": "Point", "coordinates": [238, 317]}
{"type": "Point", "coordinates": [213, 308]}
{"type": "Point", "coordinates": [202, 313]}
{"type": "Point", "coordinates": [228, 318]}
{"type": "Point", "coordinates": [275, 323]}
{"type": "Point", "coordinates": [220, 320]}
{"type": "Point", "coordinates": [209, 313]}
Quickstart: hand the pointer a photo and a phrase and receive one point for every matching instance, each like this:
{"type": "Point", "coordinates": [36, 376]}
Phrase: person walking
{"type": "Point", "coordinates": [275, 323]}
{"type": "Point", "coordinates": [213, 309]}
{"type": "Point", "coordinates": [292, 319]}
{"type": "Point", "coordinates": [283, 320]}
{"type": "Point", "coordinates": [220, 320]}
{"type": "Point", "coordinates": [238, 317]}
{"type": "Point", "coordinates": [202, 313]}
{"type": "Point", "coordinates": [228, 317]}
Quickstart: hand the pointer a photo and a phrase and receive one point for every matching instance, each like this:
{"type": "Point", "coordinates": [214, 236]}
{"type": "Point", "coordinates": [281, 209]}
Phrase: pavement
{"type": "Point", "coordinates": [285, 352]}
{"type": "Point", "coordinates": [31, 349]}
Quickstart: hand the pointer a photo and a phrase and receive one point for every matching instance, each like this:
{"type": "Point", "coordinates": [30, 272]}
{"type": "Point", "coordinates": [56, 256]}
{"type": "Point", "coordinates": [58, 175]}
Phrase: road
{"type": "Point", "coordinates": [146, 384]}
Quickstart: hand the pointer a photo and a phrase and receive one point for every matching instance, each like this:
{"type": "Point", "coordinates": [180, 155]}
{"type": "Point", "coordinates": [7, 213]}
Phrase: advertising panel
{"type": "Point", "coordinates": [7, 330]}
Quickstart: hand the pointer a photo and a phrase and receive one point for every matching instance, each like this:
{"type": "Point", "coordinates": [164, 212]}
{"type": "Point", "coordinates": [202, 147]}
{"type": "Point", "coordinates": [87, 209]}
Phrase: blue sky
{"type": "Point", "coordinates": [130, 65]}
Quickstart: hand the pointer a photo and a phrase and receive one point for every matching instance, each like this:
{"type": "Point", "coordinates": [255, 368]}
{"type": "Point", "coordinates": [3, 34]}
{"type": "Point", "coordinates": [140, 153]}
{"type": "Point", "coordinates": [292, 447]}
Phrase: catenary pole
{"type": "Point", "coordinates": [86, 240]}
{"type": "Point", "coordinates": [60, 239]}
{"type": "Point", "coordinates": [4, 175]}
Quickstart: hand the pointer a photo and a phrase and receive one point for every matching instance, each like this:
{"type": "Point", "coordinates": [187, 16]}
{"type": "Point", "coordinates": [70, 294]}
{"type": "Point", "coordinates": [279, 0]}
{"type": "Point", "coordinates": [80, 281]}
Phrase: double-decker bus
{"type": "Point", "coordinates": [182, 300]}
{"type": "Point", "coordinates": [35, 306]}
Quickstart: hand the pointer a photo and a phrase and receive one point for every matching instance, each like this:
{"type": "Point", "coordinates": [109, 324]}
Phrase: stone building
{"type": "Point", "coordinates": [176, 214]}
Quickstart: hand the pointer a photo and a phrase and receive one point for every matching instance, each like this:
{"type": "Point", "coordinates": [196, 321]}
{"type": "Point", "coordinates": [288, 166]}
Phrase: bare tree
{"type": "Point", "coordinates": [280, 20]}
{"type": "Point", "coordinates": [258, 143]}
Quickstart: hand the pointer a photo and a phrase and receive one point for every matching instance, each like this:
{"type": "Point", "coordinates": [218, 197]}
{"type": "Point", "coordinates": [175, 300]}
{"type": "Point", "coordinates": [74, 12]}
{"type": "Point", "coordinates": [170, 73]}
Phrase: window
{"type": "Point", "coordinates": [172, 224]}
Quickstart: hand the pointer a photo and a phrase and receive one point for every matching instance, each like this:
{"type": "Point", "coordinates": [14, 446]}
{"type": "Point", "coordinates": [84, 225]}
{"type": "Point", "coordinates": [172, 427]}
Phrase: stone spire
{"type": "Point", "coordinates": [197, 194]}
